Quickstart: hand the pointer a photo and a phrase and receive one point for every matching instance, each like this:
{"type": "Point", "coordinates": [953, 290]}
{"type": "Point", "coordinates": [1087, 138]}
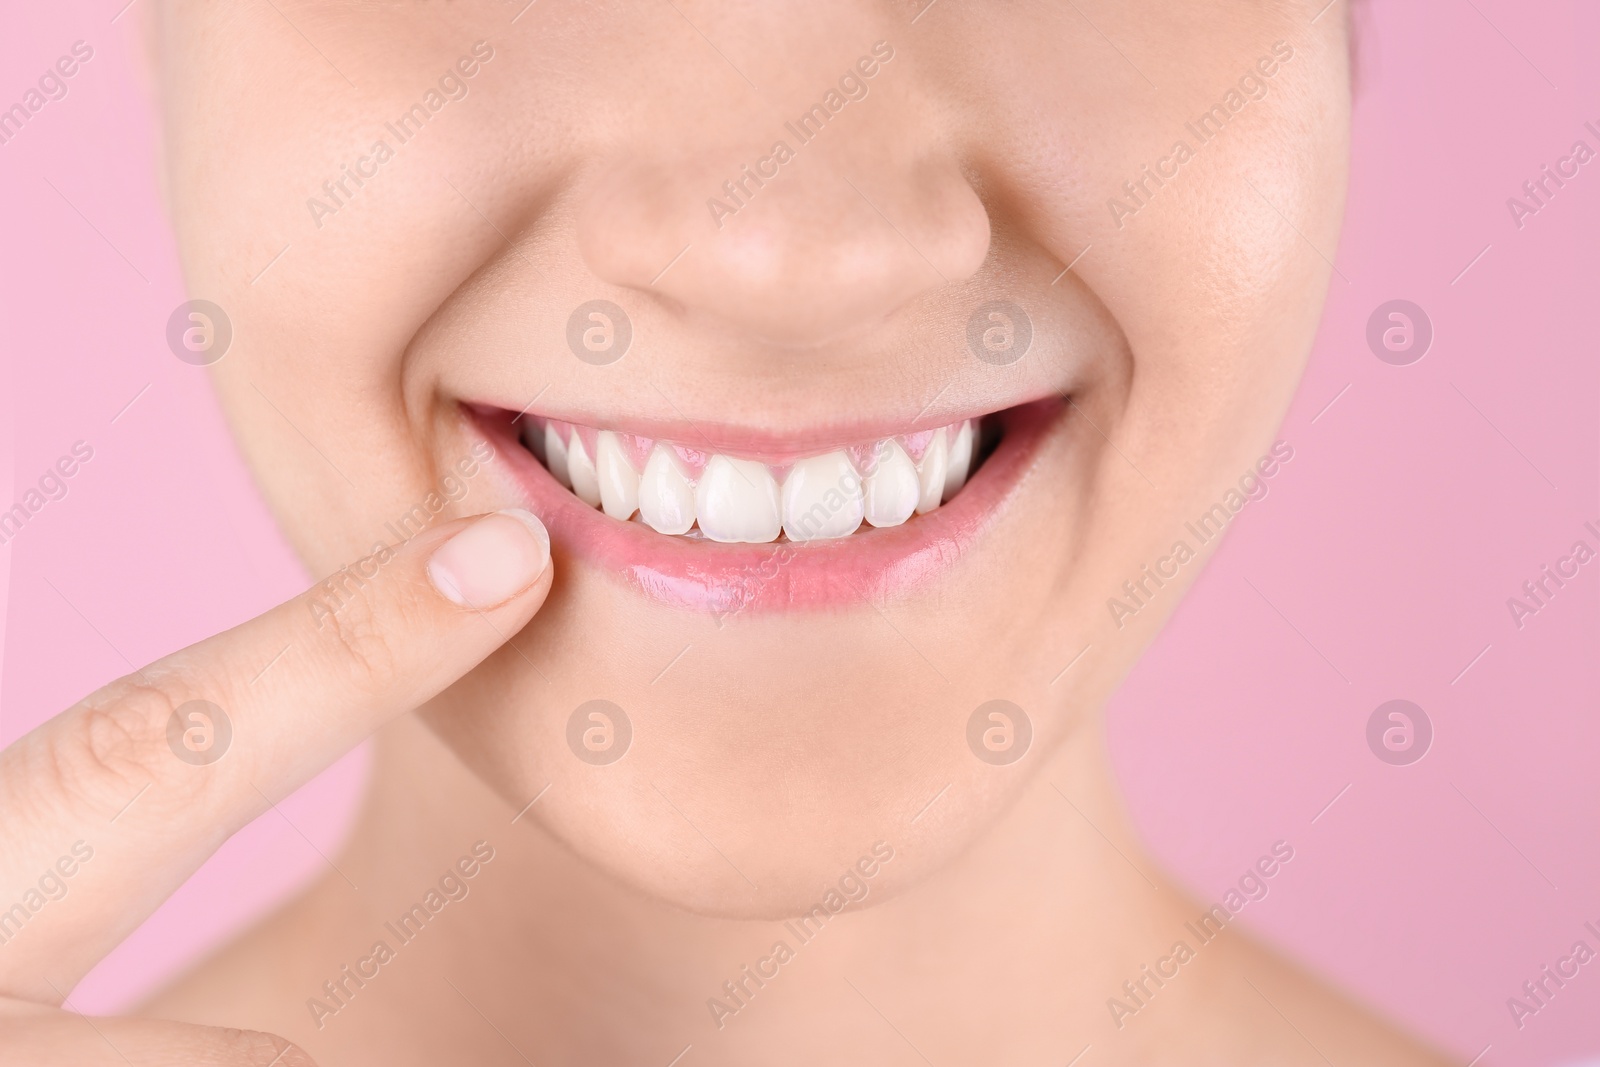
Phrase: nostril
{"type": "Point", "coordinates": [810, 253]}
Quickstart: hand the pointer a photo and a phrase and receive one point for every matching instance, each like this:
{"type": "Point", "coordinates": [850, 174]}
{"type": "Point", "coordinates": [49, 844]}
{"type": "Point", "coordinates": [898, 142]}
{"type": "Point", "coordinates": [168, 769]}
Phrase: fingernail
{"type": "Point", "coordinates": [492, 560]}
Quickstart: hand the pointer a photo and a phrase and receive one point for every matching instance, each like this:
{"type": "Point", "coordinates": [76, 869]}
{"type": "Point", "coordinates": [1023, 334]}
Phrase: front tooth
{"type": "Point", "coordinates": [555, 455]}
{"type": "Point", "coordinates": [737, 500]}
{"type": "Point", "coordinates": [822, 498]}
{"type": "Point", "coordinates": [931, 472]}
{"type": "Point", "coordinates": [580, 468]}
{"type": "Point", "coordinates": [666, 499]}
{"type": "Point", "coordinates": [619, 482]}
{"type": "Point", "coordinates": [891, 489]}
{"type": "Point", "coordinates": [955, 474]}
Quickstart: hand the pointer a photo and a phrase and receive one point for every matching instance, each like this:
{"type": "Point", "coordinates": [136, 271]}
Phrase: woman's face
{"type": "Point", "coordinates": [828, 234]}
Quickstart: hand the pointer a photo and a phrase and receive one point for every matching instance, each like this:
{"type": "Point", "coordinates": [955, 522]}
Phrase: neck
{"type": "Point", "coordinates": [1052, 935]}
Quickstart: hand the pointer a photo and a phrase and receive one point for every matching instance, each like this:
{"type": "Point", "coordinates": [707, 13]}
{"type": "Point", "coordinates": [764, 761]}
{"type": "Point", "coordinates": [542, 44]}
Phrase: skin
{"type": "Point", "coordinates": [782, 745]}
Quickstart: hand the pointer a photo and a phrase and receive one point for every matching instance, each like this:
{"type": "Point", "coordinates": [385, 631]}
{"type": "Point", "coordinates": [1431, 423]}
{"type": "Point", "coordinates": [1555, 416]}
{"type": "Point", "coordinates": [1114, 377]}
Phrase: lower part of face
{"type": "Point", "coordinates": [475, 257]}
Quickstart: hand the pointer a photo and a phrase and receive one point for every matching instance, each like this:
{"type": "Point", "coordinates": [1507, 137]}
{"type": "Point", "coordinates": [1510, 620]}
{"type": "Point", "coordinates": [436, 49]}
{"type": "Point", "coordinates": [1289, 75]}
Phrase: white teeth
{"type": "Point", "coordinates": [619, 482]}
{"type": "Point", "coordinates": [822, 497]}
{"type": "Point", "coordinates": [931, 473]}
{"type": "Point", "coordinates": [955, 474]}
{"type": "Point", "coordinates": [891, 490]}
{"type": "Point", "coordinates": [742, 500]}
{"type": "Point", "coordinates": [737, 500]}
{"type": "Point", "coordinates": [666, 499]}
{"type": "Point", "coordinates": [580, 468]}
{"type": "Point", "coordinates": [555, 455]}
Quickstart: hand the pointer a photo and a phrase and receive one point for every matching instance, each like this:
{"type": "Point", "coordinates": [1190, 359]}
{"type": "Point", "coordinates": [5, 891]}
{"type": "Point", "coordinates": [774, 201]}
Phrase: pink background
{"type": "Point", "coordinates": [1378, 567]}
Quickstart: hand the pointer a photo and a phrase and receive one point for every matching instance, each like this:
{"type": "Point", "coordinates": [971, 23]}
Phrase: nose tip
{"type": "Point", "coordinates": [799, 255]}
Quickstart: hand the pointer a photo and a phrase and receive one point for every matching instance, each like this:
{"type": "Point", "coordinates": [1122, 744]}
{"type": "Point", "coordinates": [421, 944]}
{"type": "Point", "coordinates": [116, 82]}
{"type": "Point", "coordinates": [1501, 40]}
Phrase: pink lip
{"type": "Point", "coordinates": [727, 578]}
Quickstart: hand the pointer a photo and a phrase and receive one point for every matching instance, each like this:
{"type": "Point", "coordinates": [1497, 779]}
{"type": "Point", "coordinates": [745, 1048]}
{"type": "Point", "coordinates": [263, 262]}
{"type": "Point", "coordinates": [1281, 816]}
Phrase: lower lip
{"type": "Point", "coordinates": [723, 579]}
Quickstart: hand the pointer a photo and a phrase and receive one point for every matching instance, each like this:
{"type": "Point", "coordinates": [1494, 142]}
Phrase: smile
{"type": "Point", "coordinates": [682, 490]}
{"type": "Point", "coordinates": [704, 528]}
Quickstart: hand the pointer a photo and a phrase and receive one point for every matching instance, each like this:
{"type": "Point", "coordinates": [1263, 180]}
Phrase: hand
{"type": "Point", "coordinates": [111, 805]}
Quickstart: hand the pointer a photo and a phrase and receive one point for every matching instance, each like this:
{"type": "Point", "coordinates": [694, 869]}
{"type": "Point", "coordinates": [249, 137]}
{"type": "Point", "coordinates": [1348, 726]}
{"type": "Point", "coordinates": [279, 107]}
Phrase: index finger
{"type": "Point", "coordinates": [108, 807]}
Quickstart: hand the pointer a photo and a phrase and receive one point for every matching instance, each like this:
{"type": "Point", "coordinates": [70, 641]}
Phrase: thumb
{"type": "Point", "coordinates": [152, 773]}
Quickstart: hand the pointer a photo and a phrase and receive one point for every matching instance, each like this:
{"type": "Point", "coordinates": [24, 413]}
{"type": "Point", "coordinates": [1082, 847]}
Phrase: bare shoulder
{"type": "Point", "coordinates": [1242, 1005]}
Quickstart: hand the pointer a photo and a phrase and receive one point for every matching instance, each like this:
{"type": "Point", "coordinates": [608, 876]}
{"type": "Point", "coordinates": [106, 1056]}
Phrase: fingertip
{"type": "Point", "coordinates": [493, 560]}
{"type": "Point", "coordinates": [536, 527]}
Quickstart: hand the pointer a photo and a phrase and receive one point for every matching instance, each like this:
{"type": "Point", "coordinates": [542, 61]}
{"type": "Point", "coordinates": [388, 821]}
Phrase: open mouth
{"type": "Point", "coordinates": [761, 527]}
{"type": "Point", "coordinates": [684, 490]}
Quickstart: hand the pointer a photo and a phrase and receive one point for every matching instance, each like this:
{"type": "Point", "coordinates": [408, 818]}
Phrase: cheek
{"type": "Point", "coordinates": [1217, 286]}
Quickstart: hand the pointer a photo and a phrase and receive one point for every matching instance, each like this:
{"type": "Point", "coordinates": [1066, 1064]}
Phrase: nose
{"type": "Point", "coordinates": [793, 242]}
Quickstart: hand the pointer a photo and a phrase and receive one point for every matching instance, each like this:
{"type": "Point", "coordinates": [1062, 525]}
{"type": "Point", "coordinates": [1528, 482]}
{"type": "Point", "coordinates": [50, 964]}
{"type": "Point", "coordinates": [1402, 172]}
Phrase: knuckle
{"type": "Point", "coordinates": [357, 626]}
{"type": "Point", "coordinates": [357, 639]}
{"type": "Point", "coordinates": [115, 743]}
